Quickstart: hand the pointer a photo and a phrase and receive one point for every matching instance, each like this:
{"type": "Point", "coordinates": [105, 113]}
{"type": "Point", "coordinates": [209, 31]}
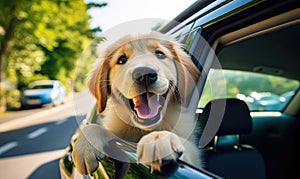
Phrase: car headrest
{"type": "Point", "coordinates": [236, 118]}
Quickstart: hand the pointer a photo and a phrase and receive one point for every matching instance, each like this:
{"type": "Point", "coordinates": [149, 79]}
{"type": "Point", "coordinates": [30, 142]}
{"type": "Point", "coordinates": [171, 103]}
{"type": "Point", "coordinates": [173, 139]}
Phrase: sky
{"type": "Point", "coordinates": [122, 11]}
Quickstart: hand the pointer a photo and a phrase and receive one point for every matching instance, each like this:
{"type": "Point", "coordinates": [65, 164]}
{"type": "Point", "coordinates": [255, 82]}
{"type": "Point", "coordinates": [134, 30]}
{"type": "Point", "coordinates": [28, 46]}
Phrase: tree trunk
{"type": "Point", "coordinates": [8, 35]}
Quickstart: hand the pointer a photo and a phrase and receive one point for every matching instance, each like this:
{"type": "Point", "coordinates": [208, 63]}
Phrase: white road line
{"type": "Point", "coordinates": [61, 121]}
{"type": "Point", "coordinates": [8, 147]}
{"type": "Point", "coordinates": [36, 117]}
{"type": "Point", "coordinates": [37, 133]}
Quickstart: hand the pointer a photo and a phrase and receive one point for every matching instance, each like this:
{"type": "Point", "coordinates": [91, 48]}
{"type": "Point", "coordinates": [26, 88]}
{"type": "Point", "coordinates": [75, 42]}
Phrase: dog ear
{"type": "Point", "coordinates": [188, 73]}
{"type": "Point", "coordinates": [98, 83]}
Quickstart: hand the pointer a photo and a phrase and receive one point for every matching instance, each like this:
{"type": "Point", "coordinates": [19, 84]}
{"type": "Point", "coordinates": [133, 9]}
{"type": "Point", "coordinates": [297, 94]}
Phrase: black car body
{"type": "Point", "coordinates": [246, 35]}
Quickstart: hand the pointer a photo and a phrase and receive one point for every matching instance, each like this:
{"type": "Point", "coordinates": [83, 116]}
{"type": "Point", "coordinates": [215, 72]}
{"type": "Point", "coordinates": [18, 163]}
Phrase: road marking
{"type": "Point", "coordinates": [61, 121]}
{"type": "Point", "coordinates": [37, 133]}
{"type": "Point", "coordinates": [8, 147]}
{"type": "Point", "coordinates": [22, 121]}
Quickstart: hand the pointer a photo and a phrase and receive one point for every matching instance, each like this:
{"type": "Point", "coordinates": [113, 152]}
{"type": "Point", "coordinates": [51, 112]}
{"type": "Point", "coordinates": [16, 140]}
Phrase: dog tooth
{"type": "Point", "coordinates": [134, 100]}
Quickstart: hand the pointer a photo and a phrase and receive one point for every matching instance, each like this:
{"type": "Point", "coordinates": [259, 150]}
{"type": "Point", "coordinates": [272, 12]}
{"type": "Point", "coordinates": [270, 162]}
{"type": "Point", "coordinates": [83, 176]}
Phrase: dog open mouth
{"type": "Point", "coordinates": [147, 108]}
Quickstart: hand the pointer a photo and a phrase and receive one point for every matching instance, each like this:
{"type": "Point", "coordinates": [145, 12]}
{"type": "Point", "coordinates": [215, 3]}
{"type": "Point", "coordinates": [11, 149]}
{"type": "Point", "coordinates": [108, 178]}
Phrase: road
{"type": "Point", "coordinates": [32, 141]}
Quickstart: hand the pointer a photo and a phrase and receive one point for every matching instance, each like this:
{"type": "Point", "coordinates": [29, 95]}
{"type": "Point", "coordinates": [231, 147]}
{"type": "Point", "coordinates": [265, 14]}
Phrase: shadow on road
{"type": "Point", "coordinates": [49, 170]}
{"type": "Point", "coordinates": [56, 135]}
{"type": "Point", "coordinates": [34, 146]}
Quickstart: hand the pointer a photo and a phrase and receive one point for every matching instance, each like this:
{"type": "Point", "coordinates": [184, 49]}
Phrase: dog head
{"type": "Point", "coordinates": [142, 74]}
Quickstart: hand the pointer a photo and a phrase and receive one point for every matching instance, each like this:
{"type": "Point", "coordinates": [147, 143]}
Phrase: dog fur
{"type": "Point", "coordinates": [142, 85]}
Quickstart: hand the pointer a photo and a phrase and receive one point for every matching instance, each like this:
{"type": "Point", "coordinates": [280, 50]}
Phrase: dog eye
{"type": "Point", "coordinates": [159, 54]}
{"type": "Point", "coordinates": [122, 60]}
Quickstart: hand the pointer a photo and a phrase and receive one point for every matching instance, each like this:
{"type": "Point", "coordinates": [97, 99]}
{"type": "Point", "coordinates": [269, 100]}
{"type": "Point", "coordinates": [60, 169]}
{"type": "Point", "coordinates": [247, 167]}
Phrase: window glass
{"type": "Point", "coordinates": [42, 87]}
{"type": "Point", "coordinates": [261, 92]}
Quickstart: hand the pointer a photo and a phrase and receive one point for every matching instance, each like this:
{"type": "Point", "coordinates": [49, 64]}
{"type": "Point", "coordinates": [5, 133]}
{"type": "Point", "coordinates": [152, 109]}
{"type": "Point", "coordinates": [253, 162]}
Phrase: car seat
{"type": "Point", "coordinates": [225, 155]}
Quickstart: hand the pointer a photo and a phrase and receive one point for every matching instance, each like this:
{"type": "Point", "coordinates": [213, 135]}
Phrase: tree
{"type": "Point", "coordinates": [42, 40]}
{"type": "Point", "coordinates": [10, 19]}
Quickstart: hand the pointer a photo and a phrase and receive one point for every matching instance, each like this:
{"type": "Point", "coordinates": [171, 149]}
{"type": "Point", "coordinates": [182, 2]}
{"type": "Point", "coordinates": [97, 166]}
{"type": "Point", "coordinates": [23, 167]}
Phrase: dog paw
{"type": "Point", "coordinates": [159, 146]}
{"type": "Point", "coordinates": [88, 148]}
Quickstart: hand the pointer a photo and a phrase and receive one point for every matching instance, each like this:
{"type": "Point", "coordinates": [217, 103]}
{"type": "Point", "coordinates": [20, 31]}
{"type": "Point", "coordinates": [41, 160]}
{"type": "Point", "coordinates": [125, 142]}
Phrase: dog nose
{"type": "Point", "coordinates": [144, 75]}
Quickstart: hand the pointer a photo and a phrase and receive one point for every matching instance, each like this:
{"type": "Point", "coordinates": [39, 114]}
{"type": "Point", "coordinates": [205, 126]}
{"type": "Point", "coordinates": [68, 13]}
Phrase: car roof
{"type": "Point", "coordinates": [240, 28]}
{"type": "Point", "coordinates": [264, 53]}
{"type": "Point", "coordinates": [43, 82]}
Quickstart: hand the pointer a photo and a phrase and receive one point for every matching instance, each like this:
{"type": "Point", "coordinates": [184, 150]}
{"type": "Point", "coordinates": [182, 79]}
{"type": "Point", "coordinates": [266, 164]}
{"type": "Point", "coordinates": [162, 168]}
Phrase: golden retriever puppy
{"type": "Point", "coordinates": [143, 86]}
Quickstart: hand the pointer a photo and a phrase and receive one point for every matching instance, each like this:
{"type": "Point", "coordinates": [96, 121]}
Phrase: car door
{"type": "Point", "coordinates": [234, 24]}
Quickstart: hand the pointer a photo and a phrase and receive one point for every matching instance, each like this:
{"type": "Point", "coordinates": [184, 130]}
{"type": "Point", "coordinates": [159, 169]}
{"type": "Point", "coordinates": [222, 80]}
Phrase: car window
{"type": "Point", "coordinates": [41, 87]}
{"type": "Point", "coordinates": [261, 92]}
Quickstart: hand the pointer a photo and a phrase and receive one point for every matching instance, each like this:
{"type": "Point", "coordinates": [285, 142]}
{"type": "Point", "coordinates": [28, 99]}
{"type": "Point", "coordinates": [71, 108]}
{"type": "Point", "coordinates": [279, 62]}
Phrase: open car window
{"type": "Point", "coordinates": [261, 92]}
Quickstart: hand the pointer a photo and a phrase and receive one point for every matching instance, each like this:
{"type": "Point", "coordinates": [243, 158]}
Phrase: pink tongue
{"type": "Point", "coordinates": [146, 105]}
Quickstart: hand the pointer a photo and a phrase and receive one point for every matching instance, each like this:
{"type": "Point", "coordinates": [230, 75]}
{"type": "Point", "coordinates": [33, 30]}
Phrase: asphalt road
{"type": "Point", "coordinates": [32, 141]}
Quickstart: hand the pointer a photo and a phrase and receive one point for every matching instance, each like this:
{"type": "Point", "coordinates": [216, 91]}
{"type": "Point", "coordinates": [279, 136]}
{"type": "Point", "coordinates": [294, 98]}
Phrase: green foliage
{"type": "Point", "coordinates": [229, 83]}
{"type": "Point", "coordinates": [134, 170]}
{"type": "Point", "coordinates": [43, 39]}
{"type": "Point", "coordinates": [62, 35]}
{"type": "Point", "coordinates": [93, 5]}
{"type": "Point", "coordinates": [85, 64]}
{"type": "Point", "coordinates": [246, 83]}
{"type": "Point", "coordinates": [13, 99]}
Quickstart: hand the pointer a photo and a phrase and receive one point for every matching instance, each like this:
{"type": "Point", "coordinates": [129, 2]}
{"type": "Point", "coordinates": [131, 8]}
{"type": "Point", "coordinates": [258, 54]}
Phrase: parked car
{"type": "Point", "coordinates": [233, 37]}
{"type": "Point", "coordinates": [39, 93]}
{"type": "Point", "coordinates": [265, 101]}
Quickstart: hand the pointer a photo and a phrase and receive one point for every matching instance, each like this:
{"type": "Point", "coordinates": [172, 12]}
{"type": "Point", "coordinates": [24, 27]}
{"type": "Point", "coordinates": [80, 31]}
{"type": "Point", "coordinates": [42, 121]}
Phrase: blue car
{"type": "Point", "coordinates": [265, 101]}
{"type": "Point", "coordinates": [39, 93]}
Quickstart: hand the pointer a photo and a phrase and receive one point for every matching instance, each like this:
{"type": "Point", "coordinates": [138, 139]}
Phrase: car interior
{"type": "Point", "coordinates": [227, 153]}
{"type": "Point", "coordinates": [267, 43]}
